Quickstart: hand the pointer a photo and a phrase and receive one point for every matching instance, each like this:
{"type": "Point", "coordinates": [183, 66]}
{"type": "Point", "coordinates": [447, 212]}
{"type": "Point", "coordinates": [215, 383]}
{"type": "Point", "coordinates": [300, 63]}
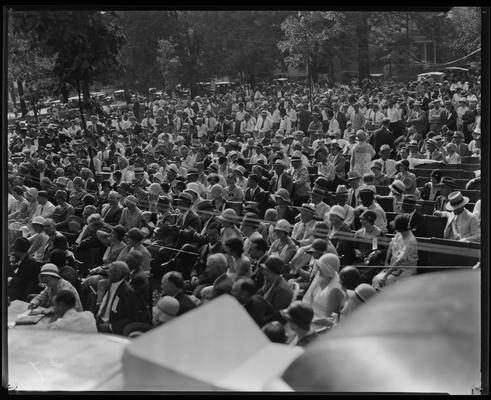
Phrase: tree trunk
{"type": "Point", "coordinates": [86, 93]}
{"type": "Point", "coordinates": [12, 94]}
{"type": "Point", "coordinates": [64, 92]}
{"type": "Point", "coordinates": [363, 55]}
{"type": "Point", "coordinates": [20, 88]}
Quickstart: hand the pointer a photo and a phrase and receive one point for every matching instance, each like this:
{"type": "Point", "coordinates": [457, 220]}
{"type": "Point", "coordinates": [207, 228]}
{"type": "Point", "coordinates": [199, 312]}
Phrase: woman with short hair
{"type": "Point", "coordinates": [403, 251]}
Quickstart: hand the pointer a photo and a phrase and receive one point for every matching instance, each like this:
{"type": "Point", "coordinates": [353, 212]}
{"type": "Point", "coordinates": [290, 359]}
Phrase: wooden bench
{"type": "Point", "coordinates": [452, 173]}
{"type": "Point", "coordinates": [386, 202]}
{"type": "Point", "coordinates": [470, 160]}
{"type": "Point", "coordinates": [473, 195]}
{"type": "Point", "coordinates": [471, 167]}
{"type": "Point", "coordinates": [459, 183]}
{"type": "Point", "coordinates": [427, 206]}
{"type": "Point", "coordinates": [382, 190]}
{"type": "Point", "coordinates": [444, 252]}
{"type": "Point", "coordinates": [236, 205]}
{"type": "Point", "coordinates": [435, 225]}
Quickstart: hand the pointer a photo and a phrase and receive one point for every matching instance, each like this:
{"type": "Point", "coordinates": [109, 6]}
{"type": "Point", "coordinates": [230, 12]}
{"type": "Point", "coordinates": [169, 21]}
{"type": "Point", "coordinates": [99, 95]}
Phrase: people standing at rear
{"type": "Point", "coordinates": [394, 115]}
{"type": "Point", "coordinates": [382, 136]}
{"type": "Point", "coordinates": [435, 117]}
{"type": "Point", "coordinates": [361, 155]}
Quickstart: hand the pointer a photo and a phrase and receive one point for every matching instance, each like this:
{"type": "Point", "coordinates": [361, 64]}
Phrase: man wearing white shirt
{"type": "Point", "coordinates": [119, 304]}
{"type": "Point", "coordinates": [285, 123]}
{"type": "Point", "coordinates": [69, 318]}
{"type": "Point", "coordinates": [258, 155]}
{"type": "Point", "coordinates": [210, 121]}
{"type": "Point", "coordinates": [247, 125]}
{"type": "Point", "coordinates": [388, 165]}
{"type": "Point", "coordinates": [375, 117]}
{"type": "Point", "coordinates": [292, 114]}
{"type": "Point", "coordinates": [45, 208]}
{"type": "Point", "coordinates": [263, 124]}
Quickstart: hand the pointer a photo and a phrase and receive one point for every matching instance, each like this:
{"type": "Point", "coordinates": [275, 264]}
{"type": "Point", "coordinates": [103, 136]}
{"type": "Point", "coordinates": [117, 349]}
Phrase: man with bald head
{"type": "Point", "coordinates": [119, 304]}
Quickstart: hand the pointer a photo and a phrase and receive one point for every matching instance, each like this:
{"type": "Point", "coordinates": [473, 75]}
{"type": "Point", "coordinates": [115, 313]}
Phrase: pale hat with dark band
{"type": "Point", "coordinates": [456, 201]}
{"type": "Point", "coordinates": [50, 269]}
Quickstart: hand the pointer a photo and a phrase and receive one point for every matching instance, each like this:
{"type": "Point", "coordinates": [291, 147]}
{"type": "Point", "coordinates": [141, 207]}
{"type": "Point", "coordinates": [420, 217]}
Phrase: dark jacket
{"type": "Point", "coordinates": [126, 308]}
{"type": "Point", "coordinates": [25, 281]}
{"type": "Point", "coordinates": [345, 248]}
{"type": "Point", "coordinates": [286, 183]}
{"type": "Point", "coordinates": [280, 296]}
{"type": "Point", "coordinates": [450, 120]}
{"type": "Point", "coordinates": [256, 308]}
{"type": "Point", "coordinates": [139, 282]}
{"type": "Point", "coordinates": [382, 136]}
{"type": "Point", "coordinates": [417, 224]}
{"type": "Point", "coordinates": [190, 220]}
{"type": "Point", "coordinates": [111, 215]}
{"type": "Point", "coordinates": [185, 303]}
{"type": "Point", "coordinates": [223, 284]}
{"type": "Point", "coordinates": [260, 197]}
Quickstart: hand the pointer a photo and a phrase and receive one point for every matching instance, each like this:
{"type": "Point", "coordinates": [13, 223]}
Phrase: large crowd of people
{"type": "Point", "coordinates": [276, 195]}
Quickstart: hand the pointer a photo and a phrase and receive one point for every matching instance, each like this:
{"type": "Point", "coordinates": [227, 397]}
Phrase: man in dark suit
{"type": "Point", "coordinates": [213, 246]}
{"type": "Point", "coordinates": [140, 283]}
{"type": "Point", "coordinates": [382, 136]}
{"type": "Point", "coordinates": [340, 117]}
{"type": "Point", "coordinates": [216, 272]}
{"type": "Point", "coordinates": [256, 194]}
{"type": "Point", "coordinates": [172, 284]}
{"type": "Point", "coordinates": [275, 290]}
{"type": "Point", "coordinates": [449, 117]}
{"type": "Point", "coordinates": [280, 180]}
{"type": "Point", "coordinates": [111, 211]}
{"type": "Point", "coordinates": [416, 219]}
{"type": "Point", "coordinates": [188, 217]}
{"type": "Point", "coordinates": [25, 280]}
{"type": "Point", "coordinates": [304, 119]}
{"type": "Point", "coordinates": [119, 304]}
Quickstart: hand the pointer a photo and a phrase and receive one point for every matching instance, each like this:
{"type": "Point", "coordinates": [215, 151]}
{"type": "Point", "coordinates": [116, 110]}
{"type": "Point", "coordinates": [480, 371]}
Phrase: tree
{"type": "Point", "coordinates": [305, 36]}
{"type": "Point", "coordinates": [466, 22]}
{"type": "Point", "coordinates": [86, 43]}
{"type": "Point", "coordinates": [28, 67]}
{"type": "Point", "coordinates": [170, 65]}
{"type": "Point", "coordinates": [139, 54]}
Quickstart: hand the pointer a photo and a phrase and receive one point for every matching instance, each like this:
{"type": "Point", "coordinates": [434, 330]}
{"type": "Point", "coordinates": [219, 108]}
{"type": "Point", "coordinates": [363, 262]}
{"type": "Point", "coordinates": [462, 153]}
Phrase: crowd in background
{"type": "Point", "coordinates": [268, 194]}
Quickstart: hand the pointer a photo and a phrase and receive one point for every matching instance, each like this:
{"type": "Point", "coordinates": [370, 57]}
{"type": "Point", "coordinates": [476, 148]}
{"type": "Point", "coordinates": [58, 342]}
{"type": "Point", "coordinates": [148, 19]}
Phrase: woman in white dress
{"type": "Point", "coordinates": [361, 154]}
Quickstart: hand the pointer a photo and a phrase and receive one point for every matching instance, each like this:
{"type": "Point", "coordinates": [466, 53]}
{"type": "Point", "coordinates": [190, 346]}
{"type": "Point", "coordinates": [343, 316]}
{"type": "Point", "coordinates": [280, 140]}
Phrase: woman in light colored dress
{"type": "Point", "coordinates": [361, 154]}
{"type": "Point", "coordinates": [403, 251]}
{"type": "Point", "coordinates": [325, 294]}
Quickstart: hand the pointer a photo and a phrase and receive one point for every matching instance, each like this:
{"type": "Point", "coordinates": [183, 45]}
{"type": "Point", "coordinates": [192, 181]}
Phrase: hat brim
{"type": "Point", "coordinates": [464, 201]}
{"type": "Point", "coordinates": [51, 274]}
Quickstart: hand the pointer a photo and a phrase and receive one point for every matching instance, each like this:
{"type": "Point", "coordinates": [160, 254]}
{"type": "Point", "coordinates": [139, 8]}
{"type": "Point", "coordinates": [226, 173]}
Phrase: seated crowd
{"type": "Point", "coordinates": [301, 213]}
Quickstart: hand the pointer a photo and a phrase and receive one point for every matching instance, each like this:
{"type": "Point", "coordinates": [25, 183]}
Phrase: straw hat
{"type": "Point", "coordinates": [50, 269]}
{"type": "Point", "coordinates": [229, 215]}
{"type": "Point", "coordinates": [338, 211]}
{"type": "Point", "coordinates": [397, 187]}
{"type": "Point", "coordinates": [456, 201]}
{"type": "Point", "coordinates": [283, 225]}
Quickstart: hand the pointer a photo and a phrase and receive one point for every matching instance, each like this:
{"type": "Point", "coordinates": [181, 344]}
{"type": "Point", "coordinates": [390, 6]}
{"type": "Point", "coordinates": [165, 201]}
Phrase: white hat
{"type": "Point", "coordinates": [50, 269]}
{"type": "Point", "coordinates": [38, 220]}
{"type": "Point", "coordinates": [329, 261]}
{"type": "Point", "coordinates": [166, 308]}
{"type": "Point", "coordinates": [283, 225]}
{"type": "Point", "coordinates": [456, 201]}
{"type": "Point", "coordinates": [338, 211]}
{"type": "Point", "coordinates": [398, 187]}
